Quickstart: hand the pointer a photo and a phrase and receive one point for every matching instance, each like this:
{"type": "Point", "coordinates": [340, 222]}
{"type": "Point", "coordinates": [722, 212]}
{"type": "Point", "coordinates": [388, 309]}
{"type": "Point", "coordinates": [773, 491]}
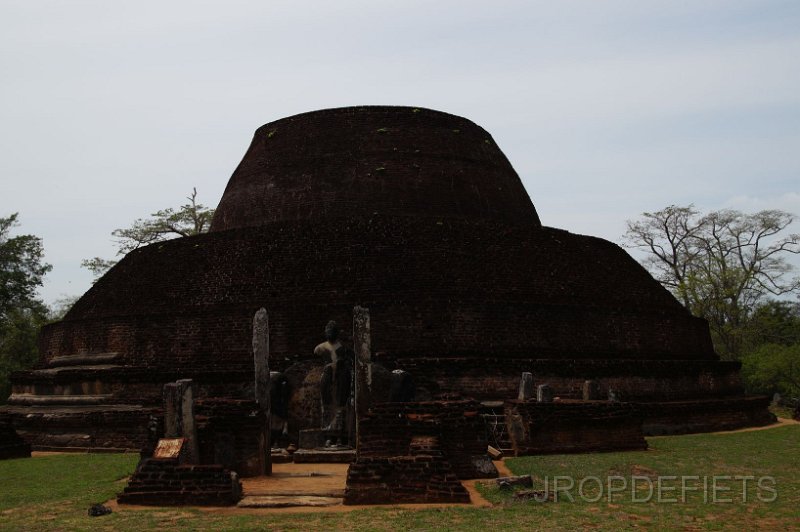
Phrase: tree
{"type": "Point", "coordinates": [719, 265]}
{"type": "Point", "coordinates": [21, 312]}
{"type": "Point", "coordinates": [190, 219]}
{"type": "Point", "coordinates": [773, 368]}
{"type": "Point", "coordinates": [21, 269]}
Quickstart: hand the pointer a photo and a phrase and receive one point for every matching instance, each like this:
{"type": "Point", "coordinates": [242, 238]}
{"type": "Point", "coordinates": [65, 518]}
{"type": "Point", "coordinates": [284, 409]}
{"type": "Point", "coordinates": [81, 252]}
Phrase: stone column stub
{"type": "Point", "coordinates": [544, 394]}
{"type": "Point", "coordinates": [526, 386]}
{"type": "Point", "coordinates": [262, 378]}
{"type": "Point", "coordinates": [179, 417]}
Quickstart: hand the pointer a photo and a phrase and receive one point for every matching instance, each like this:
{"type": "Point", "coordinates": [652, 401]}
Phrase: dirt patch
{"type": "Point", "coordinates": [315, 480]}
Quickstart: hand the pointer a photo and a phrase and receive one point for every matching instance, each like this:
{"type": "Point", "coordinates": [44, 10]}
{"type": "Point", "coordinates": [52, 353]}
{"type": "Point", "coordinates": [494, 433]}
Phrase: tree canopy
{"type": "Point", "coordinates": [720, 265]}
{"type": "Point", "coordinates": [22, 313]}
{"type": "Point", "coordinates": [189, 219]}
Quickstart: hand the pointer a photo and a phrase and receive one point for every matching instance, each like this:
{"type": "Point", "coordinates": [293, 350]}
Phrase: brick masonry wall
{"type": "Point", "coordinates": [706, 415]}
{"type": "Point", "coordinates": [389, 428]}
{"type": "Point", "coordinates": [391, 160]}
{"type": "Point", "coordinates": [434, 287]}
{"type": "Point", "coordinates": [77, 428]}
{"type": "Point", "coordinates": [634, 380]}
{"type": "Point", "coordinates": [232, 433]}
{"type": "Point", "coordinates": [403, 479]}
{"type": "Point", "coordinates": [11, 445]}
{"type": "Point", "coordinates": [573, 427]}
{"type": "Point", "coordinates": [164, 482]}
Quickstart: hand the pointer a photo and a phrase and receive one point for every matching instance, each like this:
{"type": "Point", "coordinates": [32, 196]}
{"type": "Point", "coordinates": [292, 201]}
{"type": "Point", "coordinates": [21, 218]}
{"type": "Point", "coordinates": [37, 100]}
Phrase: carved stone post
{"type": "Point", "coordinates": [363, 352]}
{"type": "Point", "coordinates": [179, 417]}
{"type": "Point", "coordinates": [544, 394]}
{"type": "Point", "coordinates": [261, 362]}
{"type": "Point", "coordinates": [591, 391]}
{"type": "Point", "coordinates": [526, 386]}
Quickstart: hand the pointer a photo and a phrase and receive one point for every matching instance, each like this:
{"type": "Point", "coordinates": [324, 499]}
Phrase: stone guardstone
{"type": "Point", "coordinates": [544, 394]}
{"type": "Point", "coordinates": [526, 386]}
{"type": "Point", "coordinates": [591, 390]}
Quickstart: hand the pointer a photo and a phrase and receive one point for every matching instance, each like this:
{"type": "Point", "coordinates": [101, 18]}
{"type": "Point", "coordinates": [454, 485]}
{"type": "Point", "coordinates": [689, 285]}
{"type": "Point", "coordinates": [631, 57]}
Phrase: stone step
{"type": "Point", "coordinates": [324, 456]}
{"type": "Point", "coordinates": [287, 501]}
{"type": "Point", "coordinates": [29, 399]}
{"type": "Point", "coordinates": [284, 492]}
{"type": "Point", "coordinates": [83, 359]}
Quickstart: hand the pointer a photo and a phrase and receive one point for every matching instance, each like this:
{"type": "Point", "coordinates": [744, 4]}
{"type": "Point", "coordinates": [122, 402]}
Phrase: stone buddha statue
{"type": "Point", "coordinates": [336, 386]}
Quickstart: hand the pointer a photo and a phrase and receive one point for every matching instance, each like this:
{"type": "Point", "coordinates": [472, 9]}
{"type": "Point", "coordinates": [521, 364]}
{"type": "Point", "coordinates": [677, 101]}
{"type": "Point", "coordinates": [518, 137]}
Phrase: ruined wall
{"type": "Point", "coordinates": [633, 380]}
{"type": "Point", "coordinates": [232, 433]}
{"type": "Point", "coordinates": [573, 427]}
{"type": "Point", "coordinates": [389, 428]}
{"type": "Point", "coordinates": [403, 479]}
{"type": "Point", "coordinates": [11, 444]}
{"type": "Point", "coordinates": [114, 429]}
{"type": "Point", "coordinates": [164, 482]}
{"type": "Point", "coordinates": [706, 415]}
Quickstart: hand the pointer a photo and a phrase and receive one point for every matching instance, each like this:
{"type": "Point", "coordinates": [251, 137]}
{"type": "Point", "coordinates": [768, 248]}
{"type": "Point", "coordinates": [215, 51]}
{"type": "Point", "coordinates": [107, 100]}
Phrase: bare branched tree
{"type": "Point", "coordinates": [190, 219]}
{"type": "Point", "coordinates": [719, 265]}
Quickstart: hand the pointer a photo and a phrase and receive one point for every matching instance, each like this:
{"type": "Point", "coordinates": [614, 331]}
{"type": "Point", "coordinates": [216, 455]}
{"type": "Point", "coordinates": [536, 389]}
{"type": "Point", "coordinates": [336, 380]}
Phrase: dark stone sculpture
{"type": "Point", "coordinates": [336, 386]}
{"type": "Point", "coordinates": [279, 395]}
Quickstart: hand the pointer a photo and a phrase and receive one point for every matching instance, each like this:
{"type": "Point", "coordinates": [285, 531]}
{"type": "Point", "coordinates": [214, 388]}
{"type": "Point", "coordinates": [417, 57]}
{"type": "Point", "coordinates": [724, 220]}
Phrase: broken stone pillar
{"type": "Point", "coordinates": [591, 391]}
{"type": "Point", "coordinates": [179, 417]}
{"type": "Point", "coordinates": [363, 357]}
{"type": "Point", "coordinates": [261, 362]}
{"type": "Point", "coordinates": [526, 386]}
{"type": "Point", "coordinates": [544, 394]}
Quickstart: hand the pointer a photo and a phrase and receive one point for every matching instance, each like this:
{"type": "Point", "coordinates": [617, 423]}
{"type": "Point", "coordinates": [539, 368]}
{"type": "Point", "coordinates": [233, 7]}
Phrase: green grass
{"type": "Point", "coordinates": [54, 493]}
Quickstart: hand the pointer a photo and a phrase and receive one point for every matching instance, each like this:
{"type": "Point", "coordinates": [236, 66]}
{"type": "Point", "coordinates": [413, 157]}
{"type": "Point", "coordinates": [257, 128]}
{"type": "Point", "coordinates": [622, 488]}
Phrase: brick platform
{"type": "Point", "coordinates": [573, 427]}
{"type": "Point", "coordinates": [163, 482]}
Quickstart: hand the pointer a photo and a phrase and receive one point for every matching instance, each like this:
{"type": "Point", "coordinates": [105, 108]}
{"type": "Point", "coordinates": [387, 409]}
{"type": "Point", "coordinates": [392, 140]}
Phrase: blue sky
{"type": "Point", "coordinates": [110, 110]}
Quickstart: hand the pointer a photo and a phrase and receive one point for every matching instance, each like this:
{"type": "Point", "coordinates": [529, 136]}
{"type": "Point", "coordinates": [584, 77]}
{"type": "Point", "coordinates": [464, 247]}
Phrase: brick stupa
{"type": "Point", "coordinates": [413, 213]}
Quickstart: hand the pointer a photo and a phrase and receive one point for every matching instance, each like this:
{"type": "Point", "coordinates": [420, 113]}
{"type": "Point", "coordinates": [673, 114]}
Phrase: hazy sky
{"type": "Point", "coordinates": [110, 110]}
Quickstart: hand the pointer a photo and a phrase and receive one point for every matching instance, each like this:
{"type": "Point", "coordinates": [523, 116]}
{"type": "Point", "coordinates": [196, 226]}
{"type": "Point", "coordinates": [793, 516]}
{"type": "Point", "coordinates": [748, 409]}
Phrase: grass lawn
{"type": "Point", "coordinates": [54, 493]}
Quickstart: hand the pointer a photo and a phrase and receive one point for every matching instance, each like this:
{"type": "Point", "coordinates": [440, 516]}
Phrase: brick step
{"type": "Point", "coordinates": [136, 487]}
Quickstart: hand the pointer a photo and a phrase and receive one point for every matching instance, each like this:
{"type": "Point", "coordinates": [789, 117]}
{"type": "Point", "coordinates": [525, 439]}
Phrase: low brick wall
{"type": "Point", "coordinates": [683, 417]}
{"type": "Point", "coordinates": [389, 428]}
{"type": "Point", "coordinates": [231, 432]}
{"type": "Point", "coordinates": [11, 445]}
{"type": "Point", "coordinates": [96, 428]}
{"type": "Point", "coordinates": [163, 482]}
{"type": "Point", "coordinates": [403, 479]}
{"type": "Point", "coordinates": [573, 427]}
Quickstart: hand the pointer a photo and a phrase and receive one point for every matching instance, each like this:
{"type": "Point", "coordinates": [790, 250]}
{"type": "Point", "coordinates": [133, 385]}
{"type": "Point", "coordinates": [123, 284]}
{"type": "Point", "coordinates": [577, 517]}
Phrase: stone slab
{"type": "Point", "coordinates": [321, 456]}
{"type": "Point", "coordinates": [287, 501]}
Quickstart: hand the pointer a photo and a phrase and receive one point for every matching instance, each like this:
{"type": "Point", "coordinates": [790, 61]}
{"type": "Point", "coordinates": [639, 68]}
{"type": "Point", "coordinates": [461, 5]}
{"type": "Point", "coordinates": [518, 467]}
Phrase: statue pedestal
{"type": "Point", "coordinates": [316, 439]}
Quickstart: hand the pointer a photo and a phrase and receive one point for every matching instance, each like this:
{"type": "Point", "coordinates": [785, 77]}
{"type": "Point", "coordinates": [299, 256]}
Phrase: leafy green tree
{"type": "Point", "coordinates": [720, 265]}
{"type": "Point", "coordinates": [774, 322]}
{"type": "Point", "coordinates": [773, 368]}
{"type": "Point", "coordinates": [189, 219]}
{"type": "Point", "coordinates": [21, 312]}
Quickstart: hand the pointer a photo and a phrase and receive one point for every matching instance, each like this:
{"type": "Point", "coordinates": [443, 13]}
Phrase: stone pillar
{"type": "Point", "coordinates": [526, 386]}
{"type": "Point", "coordinates": [179, 417]}
{"type": "Point", "coordinates": [261, 363]}
{"type": "Point", "coordinates": [363, 356]}
{"type": "Point", "coordinates": [544, 394]}
{"type": "Point", "coordinates": [591, 391]}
